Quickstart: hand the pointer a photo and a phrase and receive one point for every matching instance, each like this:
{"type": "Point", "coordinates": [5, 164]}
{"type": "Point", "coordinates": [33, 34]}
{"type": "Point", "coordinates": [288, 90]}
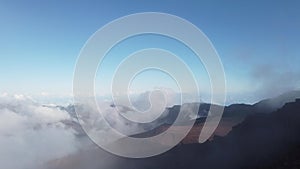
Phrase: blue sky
{"type": "Point", "coordinates": [258, 41]}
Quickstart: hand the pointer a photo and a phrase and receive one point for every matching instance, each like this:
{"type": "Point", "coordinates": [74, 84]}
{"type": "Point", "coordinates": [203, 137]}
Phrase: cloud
{"type": "Point", "coordinates": [32, 134]}
{"type": "Point", "coordinates": [270, 81]}
{"type": "Point", "coordinates": [113, 116]}
{"type": "Point", "coordinates": [118, 114]}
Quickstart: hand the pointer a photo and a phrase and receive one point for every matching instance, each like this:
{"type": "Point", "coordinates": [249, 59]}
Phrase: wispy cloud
{"type": "Point", "coordinates": [270, 81]}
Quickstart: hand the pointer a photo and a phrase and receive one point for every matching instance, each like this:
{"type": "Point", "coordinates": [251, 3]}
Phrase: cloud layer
{"type": "Point", "coordinates": [32, 134]}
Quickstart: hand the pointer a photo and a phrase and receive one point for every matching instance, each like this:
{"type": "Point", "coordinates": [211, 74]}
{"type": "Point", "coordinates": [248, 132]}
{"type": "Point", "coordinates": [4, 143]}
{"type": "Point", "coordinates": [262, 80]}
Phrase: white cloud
{"type": "Point", "coordinates": [31, 134]}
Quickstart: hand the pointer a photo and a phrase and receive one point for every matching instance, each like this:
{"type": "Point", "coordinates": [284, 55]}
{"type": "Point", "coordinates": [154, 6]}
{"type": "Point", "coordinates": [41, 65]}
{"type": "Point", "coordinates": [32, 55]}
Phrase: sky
{"type": "Point", "coordinates": [257, 41]}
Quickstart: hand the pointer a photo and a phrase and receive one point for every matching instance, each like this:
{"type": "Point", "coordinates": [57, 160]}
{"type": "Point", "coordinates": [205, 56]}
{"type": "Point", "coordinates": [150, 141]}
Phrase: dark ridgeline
{"type": "Point", "coordinates": [261, 141]}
